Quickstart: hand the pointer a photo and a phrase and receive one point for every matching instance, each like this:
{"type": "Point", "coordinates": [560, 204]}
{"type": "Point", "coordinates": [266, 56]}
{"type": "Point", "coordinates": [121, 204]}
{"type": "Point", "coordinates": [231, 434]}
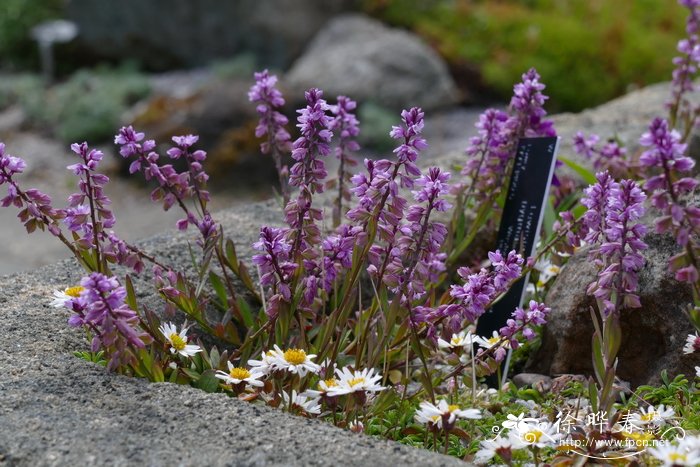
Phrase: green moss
{"type": "Point", "coordinates": [586, 51]}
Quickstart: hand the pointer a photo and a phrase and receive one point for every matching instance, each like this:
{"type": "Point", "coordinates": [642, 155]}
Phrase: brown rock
{"type": "Point", "coordinates": [652, 336]}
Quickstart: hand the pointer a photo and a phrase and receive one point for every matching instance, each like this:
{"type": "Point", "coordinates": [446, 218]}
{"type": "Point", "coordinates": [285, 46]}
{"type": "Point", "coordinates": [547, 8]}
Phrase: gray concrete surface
{"type": "Point", "coordinates": [56, 409]}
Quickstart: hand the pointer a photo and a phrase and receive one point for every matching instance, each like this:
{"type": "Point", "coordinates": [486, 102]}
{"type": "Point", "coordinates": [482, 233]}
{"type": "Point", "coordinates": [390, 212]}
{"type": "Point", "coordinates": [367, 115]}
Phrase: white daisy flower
{"type": "Point", "coordinates": [61, 297]}
{"type": "Point", "coordinates": [238, 375]}
{"type": "Point", "coordinates": [324, 388]}
{"type": "Point", "coordinates": [501, 446]}
{"type": "Point", "coordinates": [651, 416]}
{"type": "Point", "coordinates": [266, 363]}
{"type": "Point", "coordinates": [540, 434]}
{"type": "Point", "coordinates": [488, 342]}
{"type": "Point", "coordinates": [675, 456]}
{"type": "Point", "coordinates": [302, 401]}
{"type": "Point", "coordinates": [692, 343]}
{"type": "Point", "coordinates": [350, 381]}
{"type": "Point", "coordinates": [443, 415]}
{"type": "Point", "coordinates": [178, 341]}
{"type": "Point", "coordinates": [459, 341]}
{"type": "Point", "coordinates": [294, 361]}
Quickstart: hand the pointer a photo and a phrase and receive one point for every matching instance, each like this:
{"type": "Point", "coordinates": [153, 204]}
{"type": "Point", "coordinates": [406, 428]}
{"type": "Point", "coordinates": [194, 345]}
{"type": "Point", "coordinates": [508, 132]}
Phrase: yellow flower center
{"type": "Point", "coordinates": [74, 291]}
{"type": "Point", "coordinates": [330, 383]}
{"type": "Point", "coordinates": [295, 356]}
{"type": "Point", "coordinates": [493, 340]}
{"type": "Point", "coordinates": [647, 417]}
{"type": "Point", "coordinates": [455, 340]}
{"type": "Point", "coordinates": [239, 373]}
{"type": "Point", "coordinates": [356, 381]}
{"type": "Point", "coordinates": [533, 436]}
{"type": "Point", "coordinates": [675, 457]}
{"type": "Point", "coordinates": [435, 418]}
{"type": "Point", "coordinates": [177, 342]}
{"type": "Point", "coordinates": [452, 407]}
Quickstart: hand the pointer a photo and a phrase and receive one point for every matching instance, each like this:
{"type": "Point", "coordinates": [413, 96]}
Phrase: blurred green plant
{"type": "Point", "coordinates": [17, 17]}
{"type": "Point", "coordinates": [88, 106]}
{"type": "Point", "coordinates": [588, 51]}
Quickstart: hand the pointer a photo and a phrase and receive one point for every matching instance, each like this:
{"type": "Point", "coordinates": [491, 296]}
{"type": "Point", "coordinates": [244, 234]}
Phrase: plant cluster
{"type": "Point", "coordinates": [370, 324]}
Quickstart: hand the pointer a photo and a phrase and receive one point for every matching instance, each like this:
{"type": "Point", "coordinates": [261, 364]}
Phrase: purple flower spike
{"type": "Point", "coordinates": [527, 105]}
{"type": "Point", "coordinates": [276, 269]}
{"type": "Point", "coordinates": [612, 221]}
{"type": "Point", "coordinates": [101, 308]}
{"type": "Point", "coordinates": [272, 123]}
{"type": "Point", "coordinates": [314, 141]}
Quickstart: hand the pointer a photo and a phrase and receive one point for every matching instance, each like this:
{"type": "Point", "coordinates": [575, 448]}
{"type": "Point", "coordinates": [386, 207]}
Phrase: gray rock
{"type": "Point", "coordinates": [56, 409]}
{"type": "Point", "coordinates": [652, 336]}
{"type": "Point", "coordinates": [626, 118]}
{"type": "Point", "coordinates": [360, 57]}
{"type": "Point", "coordinates": [166, 34]}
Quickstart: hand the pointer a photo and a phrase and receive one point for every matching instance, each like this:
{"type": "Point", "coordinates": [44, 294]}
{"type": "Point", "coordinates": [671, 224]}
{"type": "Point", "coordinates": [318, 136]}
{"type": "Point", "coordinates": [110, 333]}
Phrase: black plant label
{"type": "Point", "coordinates": [523, 213]}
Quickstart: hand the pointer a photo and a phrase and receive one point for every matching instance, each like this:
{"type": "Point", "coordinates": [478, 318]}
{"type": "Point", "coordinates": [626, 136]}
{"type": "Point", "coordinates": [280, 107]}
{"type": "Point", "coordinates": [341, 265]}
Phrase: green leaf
{"type": "Point", "coordinates": [219, 288]}
{"type": "Point", "coordinates": [586, 175]}
{"type": "Point", "coordinates": [208, 382]}
{"type": "Point", "coordinates": [130, 293]}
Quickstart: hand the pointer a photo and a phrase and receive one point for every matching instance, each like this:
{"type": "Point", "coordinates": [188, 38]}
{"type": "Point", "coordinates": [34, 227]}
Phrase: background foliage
{"type": "Point", "coordinates": [587, 51]}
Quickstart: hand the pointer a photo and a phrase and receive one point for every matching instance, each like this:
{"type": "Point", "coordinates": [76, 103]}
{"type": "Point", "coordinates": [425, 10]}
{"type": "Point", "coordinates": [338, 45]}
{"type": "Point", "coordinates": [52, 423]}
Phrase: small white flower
{"type": "Point", "coordinates": [692, 342]}
{"type": "Point", "coordinates": [324, 388]}
{"type": "Point", "coordinates": [178, 341]}
{"type": "Point", "coordinates": [462, 340]}
{"type": "Point", "coordinates": [266, 363]}
{"type": "Point", "coordinates": [652, 416]}
{"type": "Point", "coordinates": [497, 446]}
{"type": "Point", "coordinates": [539, 434]}
{"type": "Point", "coordinates": [238, 375]}
{"type": "Point", "coordinates": [675, 456]}
{"type": "Point", "coordinates": [697, 371]}
{"type": "Point", "coordinates": [295, 361]}
{"type": "Point", "coordinates": [308, 404]}
{"type": "Point", "coordinates": [61, 297]}
{"type": "Point", "coordinates": [350, 381]}
{"type": "Point", "coordinates": [435, 415]}
{"type": "Point", "coordinates": [488, 342]}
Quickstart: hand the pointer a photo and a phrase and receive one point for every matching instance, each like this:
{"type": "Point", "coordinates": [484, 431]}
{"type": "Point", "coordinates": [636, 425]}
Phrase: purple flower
{"type": "Point", "coordinates": [101, 308]}
{"type": "Point", "coordinates": [275, 266]}
{"type": "Point", "coordinates": [506, 269]}
{"type": "Point", "coordinates": [522, 321]}
{"type": "Point", "coordinates": [596, 200]}
{"type": "Point", "coordinates": [314, 141]}
{"type": "Point", "coordinates": [413, 142]}
{"type": "Point", "coordinates": [666, 162]}
{"type": "Point", "coordinates": [620, 235]}
{"type": "Point", "coordinates": [272, 123]}
{"type": "Point", "coordinates": [346, 127]}
{"type": "Point", "coordinates": [527, 107]}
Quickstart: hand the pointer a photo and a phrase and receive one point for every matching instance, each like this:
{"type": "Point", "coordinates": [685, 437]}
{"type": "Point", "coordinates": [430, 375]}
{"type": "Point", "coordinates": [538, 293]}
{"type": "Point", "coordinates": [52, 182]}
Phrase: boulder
{"type": "Point", "coordinates": [56, 409]}
{"type": "Point", "coordinates": [625, 118]}
{"type": "Point", "coordinates": [166, 34]}
{"type": "Point", "coordinates": [653, 336]}
{"type": "Point", "coordinates": [360, 57]}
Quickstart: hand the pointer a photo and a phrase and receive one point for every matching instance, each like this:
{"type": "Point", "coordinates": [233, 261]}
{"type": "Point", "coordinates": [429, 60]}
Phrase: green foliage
{"type": "Point", "coordinates": [19, 89]}
{"type": "Point", "coordinates": [17, 17]}
{"type": "Point", "coordinates": [587, 52]}
{"type": "Point", "coordinates": [88, 106]}
{"type": "Point", "coordinates": [92, 357]}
